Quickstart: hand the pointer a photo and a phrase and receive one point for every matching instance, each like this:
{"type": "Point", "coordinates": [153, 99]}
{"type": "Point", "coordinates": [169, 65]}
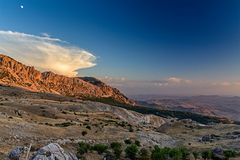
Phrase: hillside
{"type": "Point", "coordinates": [41, 118]}
{"type": "Point", "coordinates": [14, 73]}
{"type": "Point", "coordinates": [210, 105]}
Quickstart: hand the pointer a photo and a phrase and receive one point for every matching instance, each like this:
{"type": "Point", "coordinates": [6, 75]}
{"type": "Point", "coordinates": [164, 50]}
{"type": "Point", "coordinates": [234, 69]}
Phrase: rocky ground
{"type": "Point", "coordinates": [39, 119]}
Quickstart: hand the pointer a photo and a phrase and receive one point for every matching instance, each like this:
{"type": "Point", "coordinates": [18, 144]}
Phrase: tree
{"type": "Point", "coordinates": [128, 141]}
{"type": "Point", "coordinates": [207, 154]}
{"type": "Point", "coordinates": [131, 151]}
{"type": "Point", "coordinates": [83, 148]}
{"type": "Point", "coordinates": [159, 154]}
{"type": "Point", "coordinates": [176, 154]}
{"type": "Point", "coordinates": [185, 153]}
{"type": "Point", "coordinates": [229, 153]}
{"type": "Point", "coordinates": [84, 133]}
{"type": "Point", "coordinates": [138, 143]}
{"type": "Point", "coordinates": [100, 148]}
{"type": "Point", "coordinates": [117, 149]}
{"type": "Point", "coordinates": [144, 154]}
{"type": "Point", "coordinates": [195, 155]}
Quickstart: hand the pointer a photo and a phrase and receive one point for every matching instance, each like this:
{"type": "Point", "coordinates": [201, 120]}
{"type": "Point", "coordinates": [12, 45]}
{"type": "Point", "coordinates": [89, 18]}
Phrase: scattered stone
{"type": "Point", "coordinates": [218, 153]}
{"type": "Point", "coordinates": [16, 153]}
{"type": "Point", "coordinates": [209, 138]}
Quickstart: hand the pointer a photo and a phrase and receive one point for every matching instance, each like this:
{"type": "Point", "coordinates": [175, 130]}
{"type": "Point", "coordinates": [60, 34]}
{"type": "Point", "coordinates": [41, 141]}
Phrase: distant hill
{"type": "Point", "coordinates": [14, 73]}
{"type": "Point", "coordinates": [211, 105]}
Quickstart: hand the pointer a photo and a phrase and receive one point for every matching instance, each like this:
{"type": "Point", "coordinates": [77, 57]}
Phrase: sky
{"type": "Point", "coordinates": [173, 47]}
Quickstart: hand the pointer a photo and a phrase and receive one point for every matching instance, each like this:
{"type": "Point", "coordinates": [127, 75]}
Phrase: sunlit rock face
{"type": "Point", "coordinates": [14, 73]}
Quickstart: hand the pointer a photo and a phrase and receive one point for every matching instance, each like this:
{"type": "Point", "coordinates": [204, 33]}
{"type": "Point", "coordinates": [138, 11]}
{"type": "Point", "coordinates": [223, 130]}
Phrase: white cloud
{"type": "Point", "coordinates": [168, 82]}
{"type": "Point", "coordinates": [178, 80]}
{"type": "Point", "coordinates": [45, 53]}
{"type": "Point", "coordinates": [227, 84]}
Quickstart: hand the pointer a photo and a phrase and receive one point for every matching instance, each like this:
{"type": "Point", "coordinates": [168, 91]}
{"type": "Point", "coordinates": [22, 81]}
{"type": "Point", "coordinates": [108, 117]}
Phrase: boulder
{"type": "Point", "coordinates": [218, 153]}
{"type": "Point", "coordinates": [53, 152]}
{"type": "Point", "coordinates": [16, 153]}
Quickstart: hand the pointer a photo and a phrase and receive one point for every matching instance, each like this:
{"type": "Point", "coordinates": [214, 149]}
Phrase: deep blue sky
{"type": "Point", "coordinates": [151, 39]}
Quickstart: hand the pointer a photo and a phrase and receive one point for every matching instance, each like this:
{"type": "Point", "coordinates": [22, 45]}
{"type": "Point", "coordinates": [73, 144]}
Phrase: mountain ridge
{"type": "Point", "coordinates": [14, 73]}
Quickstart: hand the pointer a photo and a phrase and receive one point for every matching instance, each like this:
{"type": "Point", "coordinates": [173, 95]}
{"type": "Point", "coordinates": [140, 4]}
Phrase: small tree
{"type": "Point", "coordinates": [128, 141]}
{"type": "Point", "coordinates": [195, 155]}
{"type": "Point", "coordinates": [185, 153]}
{"type": "Point", "coordinates": [100, 148]}
{"type": "Point", "coordinates": [83, 148]}
{"type": "Point", "coordinates": [117, 149]}
{"type": "Point", "coordinates": [144, 154]}
{"type": "Point", "coordinates": [84, 133]}
{"type": "Point", "coordinates": [176, 154]}
{"type": "Point", "coordinates": [157, 154]}
{"type": "Point", "coordinates": [138, 143]}
{"type": "Point", "coordinates": [207, 154]}
{"type": "Point", "coordinates": [131, 151]}
{"type": "Point", "coordinates": [229, 153]}
{"type": "Point", "coordinates": [88, 127]}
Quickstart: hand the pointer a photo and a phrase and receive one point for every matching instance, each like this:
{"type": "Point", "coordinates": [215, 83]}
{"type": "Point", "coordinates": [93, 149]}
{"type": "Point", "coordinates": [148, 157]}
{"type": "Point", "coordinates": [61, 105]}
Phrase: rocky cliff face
{"type": "Point", "coordinates": [14, 73]}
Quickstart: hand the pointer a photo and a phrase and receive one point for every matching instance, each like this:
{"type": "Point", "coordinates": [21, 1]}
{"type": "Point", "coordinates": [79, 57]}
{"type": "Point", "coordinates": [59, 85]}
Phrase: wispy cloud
{"type": "Point", "coordinates": [171, 81]}
{"type": "Point", "coordinates": [178, 80]}
{"type": "Point", "coordinates": [174, 86]}
{"type": "Point", "coordinates": [227, 83]}
{"type": "Point", "coordinates": [45, 53]}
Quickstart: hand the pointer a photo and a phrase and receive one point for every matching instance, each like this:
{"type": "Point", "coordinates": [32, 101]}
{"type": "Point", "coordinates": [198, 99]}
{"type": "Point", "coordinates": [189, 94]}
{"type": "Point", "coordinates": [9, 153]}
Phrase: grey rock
{"type": "Point", "coordinates": [53, 152]}
{"type": "Point", "coordinates": [16, 153]}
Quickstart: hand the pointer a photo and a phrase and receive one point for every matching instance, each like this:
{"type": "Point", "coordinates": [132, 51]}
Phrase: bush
{"type": "Point", "coordinates": [159, 154]}
{"type": "Point", "coordinates": [229, 153]}
{"type": "Point", "coordinates": [117, 149]}
{"type": "Point", "coordinates": [84, 133]}
{"type": "Point", "coordinates": [185, 153]}
{"type": "Point", "coordinates": [138, 143]}
{"type": "Point", "coordinates": [131, 151]}
{"type": "Point", "coordinates": [83, 148]}
{"type": "Point", "coordinates": [195, 155]}
{"type": "Point", "coordinates": [131, 129]}
{"type": "Point", "coordinates": [166, 153]}
{"type": "Point", "coordinates": [64, 124]}
{"type": "Point", "coordinates": [144, 154]}
{"type": "Point", "coordinates": [88, 127]}
{"type": "Point", "coordinates": [176, 154]}
{"type": "Point", "coordinates": [100, 148]}
{"type": "Point", "coordinates": [207, 154]}
{"type": "Point", "coordinates": [128, 141]}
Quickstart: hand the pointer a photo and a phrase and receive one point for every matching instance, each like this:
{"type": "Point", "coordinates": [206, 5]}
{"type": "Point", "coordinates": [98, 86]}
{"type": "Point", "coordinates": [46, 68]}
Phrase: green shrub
{"type": "Point", "coordinates": [166, 153]}
{"type": "Point", "coordinates": [159, 154]}
{"type": "Point", "coordinates": [195, 155]}
{"type": "Point", "coordinates": [131, 129]}
{"type": "Point", "coordinates": [84, 133]}
{"type": "Point", "coordinates": [176, 154]}
{"type": "Point", "coordinates": [88, 127]}
{"type": "Point", "coordinates": [82, 148]}
{"type": "Point", "coordinates": [144, 154]}
{"type": "Point", "coordinates": [185, 153]}
{"type": "Point", "coordinates": [229, 153]}
{"type": "Point", "coordinates": [207, 154]}
{"type": "Point", "coordinates": [128, 141]}
{"type": "Point", "coordinates": [131, 151]}
{"type": "Point", "coordinates": [117, 149]}
{"type": "Point", "coordinates": [138, 143]}
{"type": "Point", "coordinates": [64, 124]}
{"type": "Point", "coordinates": [100, 148]}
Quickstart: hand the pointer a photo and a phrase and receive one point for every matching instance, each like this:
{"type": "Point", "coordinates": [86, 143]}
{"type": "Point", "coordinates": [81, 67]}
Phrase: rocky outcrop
{"type": "Point", "coordinates": [14, 73]}
{"type": "Point", "coordinates": [52, 151]}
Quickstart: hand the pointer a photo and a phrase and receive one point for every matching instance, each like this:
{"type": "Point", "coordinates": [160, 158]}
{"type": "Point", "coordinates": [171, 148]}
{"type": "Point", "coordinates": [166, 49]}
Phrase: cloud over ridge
{"type": "Point", "coordinates": [45, 53]}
